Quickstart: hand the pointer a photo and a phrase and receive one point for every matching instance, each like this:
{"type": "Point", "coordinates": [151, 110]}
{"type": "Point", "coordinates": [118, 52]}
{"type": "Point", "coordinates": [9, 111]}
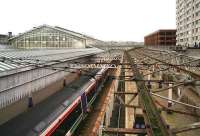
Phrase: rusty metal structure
{"type": "Point", "coordinates": [168, 61]}
{"type": "Point", "coordinates": [162, 79]}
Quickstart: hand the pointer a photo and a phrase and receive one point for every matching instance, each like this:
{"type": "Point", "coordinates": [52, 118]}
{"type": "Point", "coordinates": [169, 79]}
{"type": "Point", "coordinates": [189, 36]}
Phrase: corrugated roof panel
{"type": "Point", "coordinates": [22, 58]}
{"type": "Point", "coordinates": [14, 65]}
{"type": "Point", "coordinates": [6, 65]}
{"type": "Point", "coordinates": [1, 69]}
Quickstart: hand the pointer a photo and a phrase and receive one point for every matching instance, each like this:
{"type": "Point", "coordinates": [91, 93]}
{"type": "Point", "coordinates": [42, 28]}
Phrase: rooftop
{"type": "Point", "coordinates": [161, 30]}
{"type": "Point", "coordinates": [16, 59]}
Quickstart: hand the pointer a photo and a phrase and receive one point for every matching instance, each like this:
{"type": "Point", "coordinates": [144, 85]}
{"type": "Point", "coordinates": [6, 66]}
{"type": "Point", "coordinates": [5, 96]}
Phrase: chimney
{"type": "Point", "coordinates": [9, 34]}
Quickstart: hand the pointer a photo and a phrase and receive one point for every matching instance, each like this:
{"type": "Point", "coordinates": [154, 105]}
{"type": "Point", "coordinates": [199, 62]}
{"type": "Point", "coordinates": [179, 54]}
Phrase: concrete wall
{"type": "Point", "coordinates": [17, 86]}
{"type": "Point", "coordinates": [193, 52]}
{"type": "Point", "coordinates": [20, 106]}
{"type": "Point", "coordinates": [39, 83]}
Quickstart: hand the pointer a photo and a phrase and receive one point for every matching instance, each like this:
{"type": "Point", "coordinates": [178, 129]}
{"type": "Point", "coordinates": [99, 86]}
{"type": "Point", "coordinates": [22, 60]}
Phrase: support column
{"type": "Point", "coordinates": [149, 83]}
{"type": "Point", "coordinates": [160, 75]}
{"type": "Point", "coordinates": [153, 71]}
{"type": "Point", "coordinates": [160, 78]}
{"type": "Point", "coordinates": [64, 83]}
{"type": "Point", "coordinates": [170, 96]}
{"type": "Point", "coordinates": [179, 92]}
{"type": "Point", "coordinates": [111, 104]}
{"type": "Point", "coordinates": [177, 62]}
{"type": "Point", "coordinates": [30, 101]}
{"type": "Point", "coordinates": [100, 129]}
{"type": "Point", "coordinates": [107, 123]}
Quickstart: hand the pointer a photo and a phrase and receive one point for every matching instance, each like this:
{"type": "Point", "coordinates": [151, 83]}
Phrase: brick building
{"type": "Point", "coordinates": [161, 37]}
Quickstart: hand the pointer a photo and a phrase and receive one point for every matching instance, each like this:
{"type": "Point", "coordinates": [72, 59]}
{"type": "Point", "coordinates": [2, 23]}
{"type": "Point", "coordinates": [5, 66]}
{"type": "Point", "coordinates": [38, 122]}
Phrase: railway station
{"type": "Point", "coordinates": [91, 91]}
{"type": "Point", "coordinates": [55, 81]}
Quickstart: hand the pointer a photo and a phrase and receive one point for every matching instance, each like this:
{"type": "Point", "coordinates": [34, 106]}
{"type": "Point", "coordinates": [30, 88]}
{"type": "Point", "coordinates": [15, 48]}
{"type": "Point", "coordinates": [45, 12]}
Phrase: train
{"type": "Point", "coordinates": [69, 119]}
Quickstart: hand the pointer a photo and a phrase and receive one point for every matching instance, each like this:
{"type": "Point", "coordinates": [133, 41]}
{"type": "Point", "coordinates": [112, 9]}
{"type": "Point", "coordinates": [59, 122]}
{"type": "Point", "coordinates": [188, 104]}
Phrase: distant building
{"type": "Point", "coordinates": [161, 38]}
{"type": "Point", "coordinates": [46, 36]}
{"type": "Point", "coordinates": [4, 39]}
{"type": "Point", "coordinates": [122, 45]}
{"type": "Point", "coordinates": [188, 22]}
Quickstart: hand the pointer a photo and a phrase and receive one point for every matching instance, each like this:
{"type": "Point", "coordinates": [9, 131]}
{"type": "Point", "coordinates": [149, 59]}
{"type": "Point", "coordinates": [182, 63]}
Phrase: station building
{"type": "Point", "coordinates": [46, 36]}
{"type": "Point", "coordinates": [162, 37]}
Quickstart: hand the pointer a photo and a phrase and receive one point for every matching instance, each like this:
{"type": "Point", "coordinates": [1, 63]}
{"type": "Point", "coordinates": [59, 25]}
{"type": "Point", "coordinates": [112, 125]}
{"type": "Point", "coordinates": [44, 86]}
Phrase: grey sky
{"type": "Point", "coordinates": [103, 19]}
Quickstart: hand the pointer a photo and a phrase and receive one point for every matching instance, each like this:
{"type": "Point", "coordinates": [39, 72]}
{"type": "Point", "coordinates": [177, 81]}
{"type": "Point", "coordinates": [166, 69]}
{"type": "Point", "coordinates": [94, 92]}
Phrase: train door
{"type": "Point", "coordinates": [84, 102]}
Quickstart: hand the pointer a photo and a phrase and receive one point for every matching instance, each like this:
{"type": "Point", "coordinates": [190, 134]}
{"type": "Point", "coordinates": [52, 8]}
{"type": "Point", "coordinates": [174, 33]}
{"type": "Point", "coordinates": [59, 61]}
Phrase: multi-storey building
{"type": "Point", "coordinates": [188, 22]}
{"type": "Point", "coordinates": [164, 37]}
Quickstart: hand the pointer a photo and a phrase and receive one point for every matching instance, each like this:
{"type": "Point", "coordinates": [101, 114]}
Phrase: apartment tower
{"type": "Point", "coordinates": [188, 22]}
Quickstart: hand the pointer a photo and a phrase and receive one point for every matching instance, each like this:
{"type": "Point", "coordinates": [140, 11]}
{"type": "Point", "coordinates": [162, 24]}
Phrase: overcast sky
{"type": "Point", "coordinates": [102, 19]}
